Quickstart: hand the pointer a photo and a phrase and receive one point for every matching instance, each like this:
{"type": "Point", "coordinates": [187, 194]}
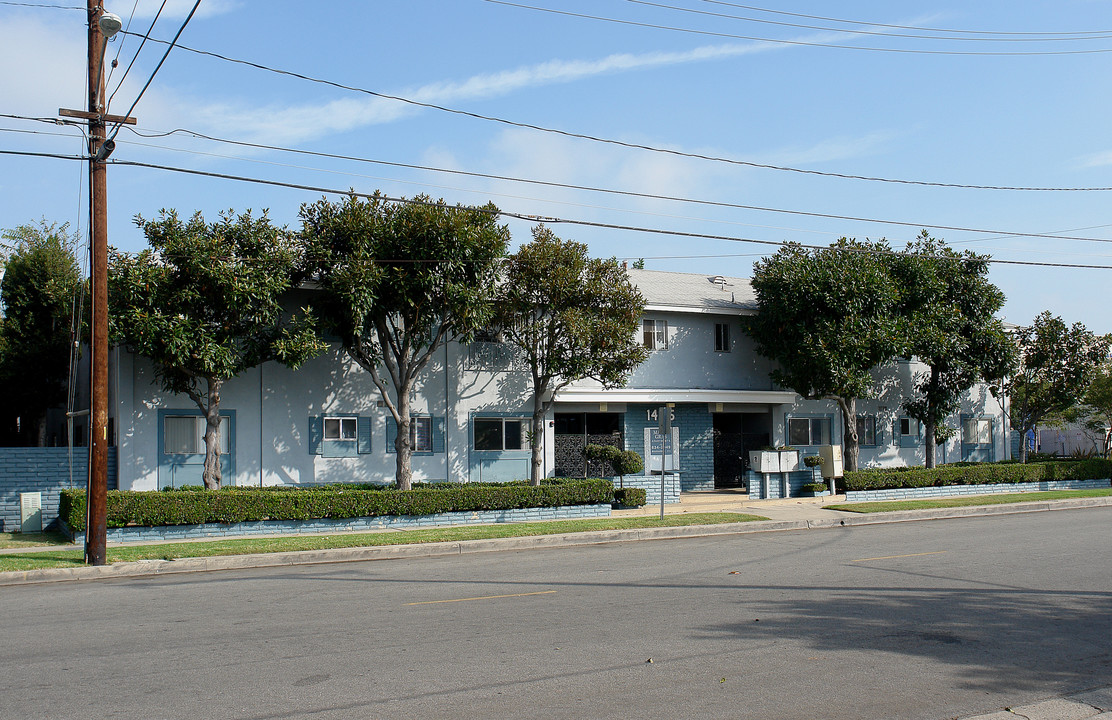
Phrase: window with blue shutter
{"type": "Point", "coordinates": [337, 435]}
{"type": "Point", "coordinates": [426, 434]}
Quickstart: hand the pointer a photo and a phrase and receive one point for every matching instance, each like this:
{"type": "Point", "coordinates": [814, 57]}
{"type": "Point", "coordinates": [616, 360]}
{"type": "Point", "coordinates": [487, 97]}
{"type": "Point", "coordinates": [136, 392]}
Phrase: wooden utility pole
{"type": "Point", "coordinates": [96, 529]}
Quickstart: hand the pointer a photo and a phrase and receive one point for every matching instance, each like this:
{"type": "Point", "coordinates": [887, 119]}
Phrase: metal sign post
{"type": "Point", "coordinates": [665, 437]}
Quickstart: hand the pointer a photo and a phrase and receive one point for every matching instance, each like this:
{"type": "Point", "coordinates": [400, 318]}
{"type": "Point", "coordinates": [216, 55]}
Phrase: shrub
{"type": "Point", "coordinates": [814, 487]}
{"type": "Point", "coordinates": [813, 461]}
{"type": "Point", "coordinates": [977, 474]}
{"type": "Point", "coordinates": [232, 505]}
{"type": "Point", "coordinates": [630, 497]}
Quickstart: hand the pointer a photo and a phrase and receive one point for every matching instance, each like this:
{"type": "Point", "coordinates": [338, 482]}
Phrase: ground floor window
{"type": "Point", "coordinates": [910, 433]}
{"type": "Point", "coordinates": [499, 433]}
{"type": "Point", "coordinates": [185, 435]}
{"type": "Point", "coordinates": [866, 430]}
{"type": "Point", "coordinates": [420, 433]}
{"type": "Point", "coordinates": [808, 431]}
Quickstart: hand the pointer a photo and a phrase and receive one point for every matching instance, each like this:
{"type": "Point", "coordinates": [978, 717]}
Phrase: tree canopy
{"type": "Point", "coordinates": [40, 281]}
{"type": "Point", "coordinates": [1057, 364]}
{"type": "Point", "coordinates": [950, 308]}
{"type": "Point", "coordinates": [572, 317]}
{"type": "Point", "coordinates": [204, 303]}
{"type": "Point", "coordinates": [397, 280]}
{"type": "Point", "coordinates": [827, 317]}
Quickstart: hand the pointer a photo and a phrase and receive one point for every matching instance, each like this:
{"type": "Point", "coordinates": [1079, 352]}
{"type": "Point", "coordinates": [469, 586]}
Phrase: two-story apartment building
{"type": "Point", "coordinates": [325, 422]}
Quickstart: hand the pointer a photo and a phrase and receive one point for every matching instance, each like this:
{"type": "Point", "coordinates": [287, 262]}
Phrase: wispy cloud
{"type": "Point", "coordinates": [1100, 159]}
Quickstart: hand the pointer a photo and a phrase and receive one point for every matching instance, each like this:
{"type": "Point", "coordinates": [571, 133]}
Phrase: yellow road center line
{"type": "Point", "coordinates": [889, 557]}
{"type": "Point", "coordinates": [485, 597]}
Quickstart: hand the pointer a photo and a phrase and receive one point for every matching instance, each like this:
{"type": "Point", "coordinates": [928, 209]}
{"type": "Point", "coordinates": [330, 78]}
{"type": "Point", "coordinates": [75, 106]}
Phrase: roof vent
{"type": "Point", "coordinates": [719, 281]}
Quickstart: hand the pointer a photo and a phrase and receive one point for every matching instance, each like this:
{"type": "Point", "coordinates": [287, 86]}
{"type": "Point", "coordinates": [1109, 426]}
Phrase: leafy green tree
{"type": "Point", "coordinates": [950, 307]}
{"type": "Point", "coordinates": [39, 283]}
{"type": "Point", "coordinates": [1094, 413]}
{"type": "Point", "coordinates": [827, 317]}
{"type": "Point", "coordinates": [204, 303]}
{"type": "Point", "coordinates": [1057, 363]}
{"type": "Point", "coordinates": [400, 279]}
{"type": "Point", "coordinates": [572, 317]}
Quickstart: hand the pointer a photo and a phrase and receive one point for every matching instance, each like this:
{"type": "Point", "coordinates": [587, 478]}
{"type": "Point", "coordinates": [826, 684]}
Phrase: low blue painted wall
{"type": "Point", "coordinates": [44, 470]}
{"type": "Point", "coordinates": [330, 525]}
{"type": "Point", "coordinates": [959, 490]}
{"type": "Point", "coordinates": [755, 481]}
{"type": "Point", "coordinates": [651, 485]}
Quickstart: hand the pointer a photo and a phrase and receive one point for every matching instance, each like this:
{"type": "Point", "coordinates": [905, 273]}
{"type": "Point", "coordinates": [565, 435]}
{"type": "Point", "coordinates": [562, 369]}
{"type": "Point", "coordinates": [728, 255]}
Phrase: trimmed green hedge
{"type": "Point", "coordinates": [232, 505]}
{"type": "Point", "coordinates": [977, 474]}
{"type": "Point", "coordinates": [630, 497]}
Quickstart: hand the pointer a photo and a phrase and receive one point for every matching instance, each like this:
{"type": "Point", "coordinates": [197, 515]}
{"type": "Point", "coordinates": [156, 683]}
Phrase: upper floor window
{"type": "Point", "coordinates": [721, 337]}
{"type": "Point", "coordinates": [656, 334]}
{"type": "Point", "coordinates": [809, 431]}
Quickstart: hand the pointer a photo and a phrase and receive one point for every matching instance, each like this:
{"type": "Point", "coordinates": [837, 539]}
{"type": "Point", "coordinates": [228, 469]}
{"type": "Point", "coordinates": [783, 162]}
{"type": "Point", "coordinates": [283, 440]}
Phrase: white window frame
{"type": "Point", "coordinates": [722, 337]}
{"type": "Point", "coordinates": [655, 334]}
{"type": "Point", "coordinates": [341, 423]}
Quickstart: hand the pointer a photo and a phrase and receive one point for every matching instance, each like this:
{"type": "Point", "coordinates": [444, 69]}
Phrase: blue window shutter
{"type": "Point", "coordinates": [896, 432]}
{"type": "Point", "coordinates": [316, 434]}
{"type": "Point", "coordinates": [391, 434]}
{"type": "Point", "coordinates": [437, 435]}
{"type": "Point", "coordinates": [363, 433]}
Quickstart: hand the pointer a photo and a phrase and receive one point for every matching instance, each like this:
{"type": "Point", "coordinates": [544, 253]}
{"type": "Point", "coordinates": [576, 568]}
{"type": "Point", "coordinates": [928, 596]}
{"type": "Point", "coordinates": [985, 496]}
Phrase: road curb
{"type": "Point", "coordinates": [147, 568]}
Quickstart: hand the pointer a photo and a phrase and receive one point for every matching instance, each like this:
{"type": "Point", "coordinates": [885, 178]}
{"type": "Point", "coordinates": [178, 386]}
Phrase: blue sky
{"type": "Point", "coordinates": [692, 77]}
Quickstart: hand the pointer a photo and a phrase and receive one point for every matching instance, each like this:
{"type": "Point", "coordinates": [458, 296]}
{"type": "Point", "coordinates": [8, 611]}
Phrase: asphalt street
{"type": "Point", "coordinates": [939, 619]}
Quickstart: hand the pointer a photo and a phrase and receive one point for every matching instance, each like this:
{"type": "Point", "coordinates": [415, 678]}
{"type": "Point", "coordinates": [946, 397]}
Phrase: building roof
{"type": "Point", "coordinates": [694, 291]}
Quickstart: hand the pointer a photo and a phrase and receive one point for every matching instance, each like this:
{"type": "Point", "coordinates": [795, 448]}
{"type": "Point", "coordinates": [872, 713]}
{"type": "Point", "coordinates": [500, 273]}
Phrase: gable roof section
{"type": "Point", "coordinates": [694, 292]}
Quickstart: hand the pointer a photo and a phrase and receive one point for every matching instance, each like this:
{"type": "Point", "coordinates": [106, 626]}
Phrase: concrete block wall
{"type": "Point", "coordinates": [963, 490]}
{"type": "Point", "coordinates": [651, 485]}
{"type": "Point", "coordinates": [328, 525]}
{"type": "Point", "coordinates": [44, 470]}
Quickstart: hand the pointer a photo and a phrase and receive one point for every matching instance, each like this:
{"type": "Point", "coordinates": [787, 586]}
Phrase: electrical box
{"type": "Point", "coordinates": [30, 512]}
{"type": "Point", "coordinates": [832, 466]}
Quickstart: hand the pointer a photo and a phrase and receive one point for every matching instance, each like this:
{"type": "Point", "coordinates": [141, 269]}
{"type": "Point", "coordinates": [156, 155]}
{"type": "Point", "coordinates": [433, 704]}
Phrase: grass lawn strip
{"type": "Point", "coordinates": [19, 540]}
{"type": "Point", "coordinates": [1003, 499]}
{"type": "Point", "coordinates": [249, 546]}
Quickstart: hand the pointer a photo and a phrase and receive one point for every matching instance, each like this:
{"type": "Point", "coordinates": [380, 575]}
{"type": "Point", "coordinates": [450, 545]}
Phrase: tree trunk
{"type": "Point", "coordinates": [929, 444]}
{"type": "Point", "coordinates": [536, 444]}
{"type": "Point", "coordinates": [849, 436]}
{"type": "Point", "coordinates": [212, 476]}
{"type": "Point", "coordinates": [402, 446]}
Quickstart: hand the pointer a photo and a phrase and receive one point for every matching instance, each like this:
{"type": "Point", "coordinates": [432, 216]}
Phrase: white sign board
{"type": "Point", "coordinates": [656, 444]}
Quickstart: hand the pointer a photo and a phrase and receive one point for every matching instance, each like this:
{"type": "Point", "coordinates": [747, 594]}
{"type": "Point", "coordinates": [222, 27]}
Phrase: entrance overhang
{"type": "Point", "coordinates": [675, 395]}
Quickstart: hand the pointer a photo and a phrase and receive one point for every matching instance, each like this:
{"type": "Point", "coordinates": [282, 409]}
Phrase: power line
{"type": "Point", "coordinates": [623, 193]}
{"type": "Point", "coordinates": [862, 31]}
{"type": "Point", "coordinates": [42, 5]}
{"type": "Point", "coordinates": [621, 143]}
{"type": "Point", "coordinates": [888, 25]}
{"type": "Point", "coordinates": [136, 55]}
{"type": "Point", "coordinates": [782, 41]}
{"type": "Point", "coordinates": [166, 54]}
{"type": "Point", "coordinates": [544, 219]}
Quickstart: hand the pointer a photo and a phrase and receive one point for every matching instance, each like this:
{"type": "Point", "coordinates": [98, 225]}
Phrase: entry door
{"type": "Point", "coordinates": [729, 450]}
